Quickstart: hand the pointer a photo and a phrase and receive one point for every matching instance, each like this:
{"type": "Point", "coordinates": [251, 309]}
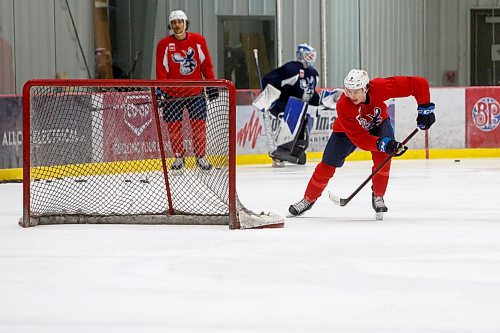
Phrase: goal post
{"type": "Point", "coordinates": [132, 152]}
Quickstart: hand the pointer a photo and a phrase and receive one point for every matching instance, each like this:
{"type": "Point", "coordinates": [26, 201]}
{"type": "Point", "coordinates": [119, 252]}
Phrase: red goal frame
{"type": "Point", "coordinates": [232, 204]}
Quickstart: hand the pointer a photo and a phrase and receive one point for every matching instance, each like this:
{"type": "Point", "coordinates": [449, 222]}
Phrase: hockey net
{"type": "Point", "coordinates": [106, 151]}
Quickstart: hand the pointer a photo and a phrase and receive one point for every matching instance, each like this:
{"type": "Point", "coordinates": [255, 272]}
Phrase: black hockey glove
{"type": "Point", "coordinates": [160, 94]}
{"type": "Point", "coordinates": [212, 93]}
{"type": "Point", "coordinates": [426, 116]}
{"type": "Point", "coordinates": [389, 146]}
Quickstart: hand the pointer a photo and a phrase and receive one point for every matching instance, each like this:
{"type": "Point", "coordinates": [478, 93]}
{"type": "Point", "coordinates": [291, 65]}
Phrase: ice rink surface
{"type": "Point", "coordinates": [432, 265]}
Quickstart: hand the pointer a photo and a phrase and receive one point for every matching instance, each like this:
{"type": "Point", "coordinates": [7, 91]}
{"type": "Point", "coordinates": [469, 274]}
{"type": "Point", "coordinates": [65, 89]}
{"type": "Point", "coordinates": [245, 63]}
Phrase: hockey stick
{"type": "Point", "coordinates": [342, 202]}
{"type": "Point", "coordinates": [266, 117]}
{"type": "Point", "coordinates": [256, 55]}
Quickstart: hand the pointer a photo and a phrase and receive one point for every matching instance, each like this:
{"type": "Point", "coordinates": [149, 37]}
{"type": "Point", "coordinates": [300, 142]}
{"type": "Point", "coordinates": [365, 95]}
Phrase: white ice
{"type": "Point", "coordinates": [432, 265]}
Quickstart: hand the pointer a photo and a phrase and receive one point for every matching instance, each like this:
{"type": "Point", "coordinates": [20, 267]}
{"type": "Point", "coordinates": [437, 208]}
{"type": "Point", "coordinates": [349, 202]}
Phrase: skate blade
{"type": "Point", "coordinates": [379, 216]}
{"type": "Point", "coordinates": [176, 172]}
{"type": "Point", "coordinates": [290, 215]}
{"type": "Point", "coordinates": [278, 164]}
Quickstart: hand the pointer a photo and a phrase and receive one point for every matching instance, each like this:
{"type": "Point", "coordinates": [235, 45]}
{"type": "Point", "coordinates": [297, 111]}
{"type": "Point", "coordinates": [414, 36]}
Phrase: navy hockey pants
{"type": "Point", "coordinates": [339, 146]}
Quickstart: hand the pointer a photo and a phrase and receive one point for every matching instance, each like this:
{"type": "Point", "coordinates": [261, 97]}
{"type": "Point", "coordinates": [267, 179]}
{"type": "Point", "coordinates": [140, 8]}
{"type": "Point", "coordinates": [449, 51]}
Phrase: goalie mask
{"type": "Point", "coordinates": [306, 54]}
{"type": "Point", "coordinates": [356, 79]}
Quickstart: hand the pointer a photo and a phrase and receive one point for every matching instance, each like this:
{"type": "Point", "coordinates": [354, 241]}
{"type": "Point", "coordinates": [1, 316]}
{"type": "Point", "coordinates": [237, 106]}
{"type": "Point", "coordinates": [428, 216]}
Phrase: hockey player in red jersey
{"type": "Point", "coordinates": [363, 122]}
{"type": "Point", "coordinates": [184, 56]}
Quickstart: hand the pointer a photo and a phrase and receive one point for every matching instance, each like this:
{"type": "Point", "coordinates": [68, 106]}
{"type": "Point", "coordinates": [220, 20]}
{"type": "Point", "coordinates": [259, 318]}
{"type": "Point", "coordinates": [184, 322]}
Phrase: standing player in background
{"type": "Point", "coordinates": [294, 79]}
{"type": "Point", "coordinates": [184, 55]}
{"type": "Point", "coordinates": [363, 122]}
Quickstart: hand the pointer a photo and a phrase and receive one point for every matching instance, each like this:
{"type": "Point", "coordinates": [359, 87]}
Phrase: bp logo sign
{"type": "Point", "coordinates": [486, 114]}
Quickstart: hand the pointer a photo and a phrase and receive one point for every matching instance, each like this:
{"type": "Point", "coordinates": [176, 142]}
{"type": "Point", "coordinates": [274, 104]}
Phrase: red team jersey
{"type": "Point", "coordinates": [186, 59]}
{"type": "Point", "coordinates": [357, 120]}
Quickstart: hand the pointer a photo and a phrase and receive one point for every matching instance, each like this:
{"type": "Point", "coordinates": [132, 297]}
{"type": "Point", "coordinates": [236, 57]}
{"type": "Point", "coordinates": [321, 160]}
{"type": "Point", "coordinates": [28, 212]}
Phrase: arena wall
{"type": "Point", "coordinates": [468, 121]}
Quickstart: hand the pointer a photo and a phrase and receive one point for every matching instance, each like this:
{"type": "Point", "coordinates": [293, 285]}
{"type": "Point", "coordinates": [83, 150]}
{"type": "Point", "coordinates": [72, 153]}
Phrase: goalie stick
{"type": "Point", "coordinates": [266, 115]}
{"type": "Point", "coordinates": [342, 202]}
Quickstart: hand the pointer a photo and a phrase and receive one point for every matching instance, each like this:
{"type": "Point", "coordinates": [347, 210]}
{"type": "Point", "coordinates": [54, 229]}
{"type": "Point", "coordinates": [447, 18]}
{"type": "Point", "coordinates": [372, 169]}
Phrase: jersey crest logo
{"type": "Point", "coordinates": [301, 73]}
{"type": "Point", "coordinates": [188, 64]}
{"type": "Point", "coordinates": [369, 121]}
{"type": "Point", "coordinates": [171, 47]}
{"type": "Point", "coordinates": [307, 85]}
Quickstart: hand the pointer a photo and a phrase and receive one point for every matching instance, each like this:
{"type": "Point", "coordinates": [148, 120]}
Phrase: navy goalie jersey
{"type": "Point", "coordinates": [293, 79]}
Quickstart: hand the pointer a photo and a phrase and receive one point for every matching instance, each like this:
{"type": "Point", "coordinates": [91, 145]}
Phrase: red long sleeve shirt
{"type": "Point", "coordinates": [357, 120]}
{"type": "Point", "coordinates": [187, 59]}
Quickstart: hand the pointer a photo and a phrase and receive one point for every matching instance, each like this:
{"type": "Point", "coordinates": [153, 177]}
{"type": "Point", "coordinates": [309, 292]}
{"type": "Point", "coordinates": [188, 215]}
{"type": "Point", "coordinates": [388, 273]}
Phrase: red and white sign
{"type": "Point", "coordinates": [482, 117]}
{"type": "Point", "coordinates": [129, 128]}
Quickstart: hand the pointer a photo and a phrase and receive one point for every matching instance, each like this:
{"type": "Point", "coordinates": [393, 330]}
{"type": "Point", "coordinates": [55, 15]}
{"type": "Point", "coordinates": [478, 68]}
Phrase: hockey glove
{"type": "Point", "coordinates": [389, 146]}
{"type": "Point", "coordinates": [426, 116]}
{"type": "Point", "coordinates": [160, 94]}
{"type": "Point", "coordinates": [212, 93]}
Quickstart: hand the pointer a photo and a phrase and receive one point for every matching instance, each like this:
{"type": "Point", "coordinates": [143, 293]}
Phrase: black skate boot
{"type": "Point", "coordinates": [379, 207]}
{"type": "Point", "coordinates": [178, 164]}
{"type": "Point", "coordinates": [283, 155]}
{"type": "Point", "coordinates": [300, 208]}
{"type": "Point", "coordinates": [203, 163]}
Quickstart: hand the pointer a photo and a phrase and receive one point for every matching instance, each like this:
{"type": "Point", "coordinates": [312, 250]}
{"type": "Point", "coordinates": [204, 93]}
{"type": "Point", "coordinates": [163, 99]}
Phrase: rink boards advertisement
{"type": "Point", "coordinates": [465, 118]}
{"type": "Point", "coordinates": [251, 130]}
{"type": "Point", "coordinates": [11, 123]}
{"type": "Point", "coordinates": [482, 117]}
{"type": "Point", "coordinates": [129, 132]}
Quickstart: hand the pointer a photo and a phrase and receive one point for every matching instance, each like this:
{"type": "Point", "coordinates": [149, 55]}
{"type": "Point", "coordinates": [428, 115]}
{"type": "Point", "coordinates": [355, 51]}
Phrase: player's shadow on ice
{"type": "Point", "coordinates": [353, 219]}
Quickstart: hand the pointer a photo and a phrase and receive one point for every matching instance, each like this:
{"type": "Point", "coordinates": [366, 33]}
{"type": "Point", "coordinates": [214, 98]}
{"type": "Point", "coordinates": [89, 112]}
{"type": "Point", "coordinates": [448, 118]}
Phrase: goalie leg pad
{"type": "Point", "coordinates": [302, 142]}
{"type": "Point", "coordinates": [299, 151]}
{"type": "Point", "coordinates": [290, 125]}
{"type": "Point", "coordinates": [294, 113]}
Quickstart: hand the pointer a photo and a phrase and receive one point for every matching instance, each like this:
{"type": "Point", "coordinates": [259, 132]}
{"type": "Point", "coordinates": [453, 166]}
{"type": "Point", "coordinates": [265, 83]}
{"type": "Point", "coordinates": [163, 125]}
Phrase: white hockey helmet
{"type": "Point", "coordinates": [177, 15]}
{"type": "Point", "coordinates": [306, 54]}
{"type": "Point", "coordinates": [356, 79]}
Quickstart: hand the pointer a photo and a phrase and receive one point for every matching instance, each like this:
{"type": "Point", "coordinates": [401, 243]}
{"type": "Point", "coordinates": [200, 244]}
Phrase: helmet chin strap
{"type": "Point", "coordinates": [183, 30]}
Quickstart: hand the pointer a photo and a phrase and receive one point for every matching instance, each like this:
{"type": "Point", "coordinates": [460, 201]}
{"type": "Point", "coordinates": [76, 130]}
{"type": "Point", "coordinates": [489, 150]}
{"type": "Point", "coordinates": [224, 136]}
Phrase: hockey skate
{"type": "Point", "coordinates": [278, 163]}
{"type": "Point", "coordinates": [379, 207]}
{"type": "Point", "coordinates": [178, 164]}
{"type": "Point", "coordinates": [283, 155]}
{"type": "Point", "coordinates": [203, 163]}
{"type": "Point", "coordinates": [300, 208]}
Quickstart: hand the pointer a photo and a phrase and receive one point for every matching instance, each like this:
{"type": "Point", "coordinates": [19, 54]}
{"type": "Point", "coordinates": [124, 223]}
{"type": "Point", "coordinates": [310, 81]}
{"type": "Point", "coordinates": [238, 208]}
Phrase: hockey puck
{"type": "Point", "coordinates": [128, 181]}
{"type": "Point", "coordinates": [457, 160]}
{"type": "Point", "coordinates": [80, 180]}
{"type": "Point", "coordinates": [144, 181]}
